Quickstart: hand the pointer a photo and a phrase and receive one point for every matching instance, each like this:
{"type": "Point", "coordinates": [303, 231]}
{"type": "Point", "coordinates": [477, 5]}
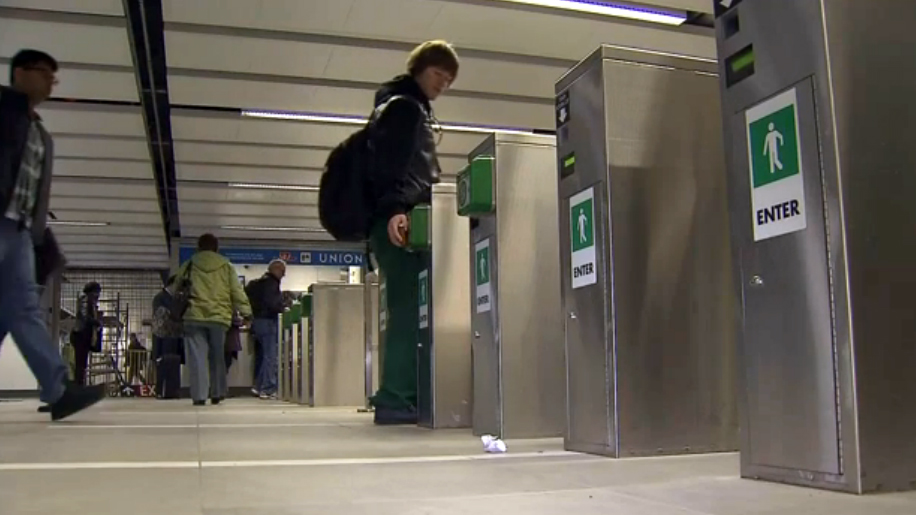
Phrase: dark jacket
{"type": "Point", "coordinates": [265, 297]}
{"type": "Point", "coordinates": [405, 165]}
{"type": "Point", "coordinates": [15, 119]}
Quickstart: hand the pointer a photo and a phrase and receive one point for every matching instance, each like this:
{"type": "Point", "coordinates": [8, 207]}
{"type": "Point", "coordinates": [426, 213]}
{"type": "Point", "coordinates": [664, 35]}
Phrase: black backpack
{"type": "Point", "coordinates": [345, 197]}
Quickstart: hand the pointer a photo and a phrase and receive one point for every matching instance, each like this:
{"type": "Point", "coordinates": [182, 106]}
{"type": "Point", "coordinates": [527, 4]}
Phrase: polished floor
{"type": "Point", "coordinates": [247, 457]}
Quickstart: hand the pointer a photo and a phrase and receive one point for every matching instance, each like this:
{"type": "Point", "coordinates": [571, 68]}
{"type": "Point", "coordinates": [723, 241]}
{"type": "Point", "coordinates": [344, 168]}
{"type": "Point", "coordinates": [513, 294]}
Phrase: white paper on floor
{"type": "Point", "coordinates": [493, 444]}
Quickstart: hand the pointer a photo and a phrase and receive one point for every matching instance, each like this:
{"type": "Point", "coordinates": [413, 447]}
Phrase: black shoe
{"type": "Point", "coordinates": [76, 399]}
{"type": "Point", "coordinates": [216, 400]}
{"type": "Point", "coordinates": [395, 417]}
{"type": "Point", "coordinates": [200, 403]}
{"type": "Point", "coordinates": [44, 409]}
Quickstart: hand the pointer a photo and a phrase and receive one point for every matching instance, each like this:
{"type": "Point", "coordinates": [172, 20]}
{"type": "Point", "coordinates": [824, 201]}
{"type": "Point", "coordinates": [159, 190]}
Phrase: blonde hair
{"type": "Point", "coordinates": [436, 53]}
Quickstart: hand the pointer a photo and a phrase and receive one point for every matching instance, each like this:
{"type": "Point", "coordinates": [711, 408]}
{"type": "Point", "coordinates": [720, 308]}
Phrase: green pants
{"type": "Point", "coordinates": [398, 389]}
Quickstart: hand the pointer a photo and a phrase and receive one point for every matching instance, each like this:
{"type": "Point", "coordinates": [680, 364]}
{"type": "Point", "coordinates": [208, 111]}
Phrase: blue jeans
{"type": "Point", "coordinates": [21, 314]}
{"type": "Point", "coordinates": [265, 330]}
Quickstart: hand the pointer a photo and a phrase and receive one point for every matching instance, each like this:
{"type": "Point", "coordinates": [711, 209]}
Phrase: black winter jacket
{"type": "Point", "coordinates": [265, 297]}
{"type": "Point", "coordinates": [405, 165]}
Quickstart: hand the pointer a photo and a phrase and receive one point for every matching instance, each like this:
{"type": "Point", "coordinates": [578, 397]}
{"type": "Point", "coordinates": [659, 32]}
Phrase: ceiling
{"type": "Point", "coordinates": [149, 135]}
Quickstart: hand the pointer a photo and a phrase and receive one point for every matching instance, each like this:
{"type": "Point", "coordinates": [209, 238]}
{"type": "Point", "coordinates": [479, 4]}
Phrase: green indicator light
{"type": "Point", "coordinates": [571, 160]}
{"type": "Point", "coordinates": [741, 62]}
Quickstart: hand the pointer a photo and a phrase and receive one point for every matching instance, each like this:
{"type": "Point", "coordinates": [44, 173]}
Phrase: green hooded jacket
{"type": "Point", "coordinates": [215, 289]}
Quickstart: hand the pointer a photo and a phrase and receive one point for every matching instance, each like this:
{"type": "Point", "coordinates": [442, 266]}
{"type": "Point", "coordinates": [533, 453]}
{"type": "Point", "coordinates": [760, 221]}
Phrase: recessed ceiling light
{"type": "Point", "coordinates": [611, 9]}
{"type": "Point", "coordinates": [72, 223]}
{"type": "Point", "coordinates": [353, 120]}
{"type": "Point", "coordinates": [273, 229]}
{"type": "Point", "coordinates": [256, 186]}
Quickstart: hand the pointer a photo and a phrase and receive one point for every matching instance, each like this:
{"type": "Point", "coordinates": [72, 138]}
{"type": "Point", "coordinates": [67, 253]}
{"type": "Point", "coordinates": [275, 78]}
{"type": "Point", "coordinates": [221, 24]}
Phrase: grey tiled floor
{"type": "Point", "coordinates": [250, 458]}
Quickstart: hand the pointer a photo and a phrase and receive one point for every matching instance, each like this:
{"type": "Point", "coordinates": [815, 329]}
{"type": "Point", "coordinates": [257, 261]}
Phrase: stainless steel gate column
{"type": "Point", "coordinates": [819, 125]}
{"type": "Point", "coordinates": [517, 321]}
{"type": "Point", "coordinates": [337, 345]}
{"type": "Point", "coordinates": [444, 353]}
{"type": "Point", "coordinates": [648, 298]}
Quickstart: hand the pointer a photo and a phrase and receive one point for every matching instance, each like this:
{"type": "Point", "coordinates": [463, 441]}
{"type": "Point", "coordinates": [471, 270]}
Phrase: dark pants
{"type": "Point", "coordinates": [80, 363]}
{"type": "Point", "coordinates": [398, 388]}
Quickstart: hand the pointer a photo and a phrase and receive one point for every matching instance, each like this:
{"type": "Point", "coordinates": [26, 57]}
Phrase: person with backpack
{"type": "Point", "coordinates": [403, 168]}
{"type": "Point", "coordinates": [214, 293]}
{"type": "Point", "coordinates": [266, 305]}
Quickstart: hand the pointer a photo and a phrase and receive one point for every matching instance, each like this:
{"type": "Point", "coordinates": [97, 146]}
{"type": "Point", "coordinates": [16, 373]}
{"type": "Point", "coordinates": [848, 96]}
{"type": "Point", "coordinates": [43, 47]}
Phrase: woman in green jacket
{"type": "Point", "coordinates": [215, 294]}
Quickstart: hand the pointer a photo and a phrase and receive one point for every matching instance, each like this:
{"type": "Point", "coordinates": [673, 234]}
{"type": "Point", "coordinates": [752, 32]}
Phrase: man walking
{"type": "Point", "coordinates": [267, 304]}
{"type": "Point", "coordinates": [404, 169]}
{"type": "Point", "coordinates": [26, 159]}
{"type": "Point", "coordinates": [215, 295]}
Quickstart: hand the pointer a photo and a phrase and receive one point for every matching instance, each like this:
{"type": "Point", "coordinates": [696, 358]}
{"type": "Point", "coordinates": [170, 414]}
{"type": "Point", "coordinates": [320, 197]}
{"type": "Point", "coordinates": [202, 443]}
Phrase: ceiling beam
{"type": "Point", "coordinates": [147, 39]}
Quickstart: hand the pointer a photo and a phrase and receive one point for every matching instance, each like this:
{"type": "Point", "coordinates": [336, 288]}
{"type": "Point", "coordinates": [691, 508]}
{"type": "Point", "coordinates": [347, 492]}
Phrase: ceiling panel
{"type": "Point", "coordinates": [107, 240]}
{"type": "Point", "coordinates": [84, 248]}
{"type": "Point", "coordinates": [193, 233]}
{"type": "Point", "coordinates": [106, 7]}
{"type": "Point", "coordinates": [244, 174]}
{"type": "Point", "coordinates": [291, 211]}
{"type": "Point", "coordinates": [249, 155]}
{"type": "Point", "coordinates": [67, 42]}
{"type": "Point", "coordinates": [268, 156]}
{"type": "Point", "coordinates": [245, 94]}
{"type": "Point", "coordinates": [104, 204]}
{"type": "Point", "coordinates": [315, 15]}
{"type": "Point", "coordinates": [115, 218]}
{"type": "Point", "coordinates": [191, 192]}
{"type": "Point", "coordinates": [337, 62]}
{"type": "Point", "coordinates": [80, 167]}
{"type": "Point", "coordinates": [201, 126]}
{"type": "Point", "coordinates": [92, 84]}
{"type": "Point", "coordinates": [217, 221]}
{"type": "Point", "coordinates": [494, 26]}
{"type": "Point", "coordinates": [62, 118]}
{"type": "Point", "coordinates": [101, 148]}
{"type": "Point", "coordinates": [72, 187]}
{"type": "Point", "coordinates": [701, 6]}
{"type": "Point", "coordinates": [154, 231]}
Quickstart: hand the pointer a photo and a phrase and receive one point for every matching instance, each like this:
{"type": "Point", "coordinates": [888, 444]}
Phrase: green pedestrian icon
{"type": "Point", "coordinates": [483, 265]}
{"type": "Point", "coordinates": [583, 234]}
{"type": "Point", "coordinates": [774, 142]}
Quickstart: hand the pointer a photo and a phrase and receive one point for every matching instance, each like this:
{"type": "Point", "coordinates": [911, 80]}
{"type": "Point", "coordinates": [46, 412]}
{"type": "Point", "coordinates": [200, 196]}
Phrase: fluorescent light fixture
{"type": "Point", "coordinates": [271, 229]}
{"type": "Point", "coordinates": [630, 12]}
{"type": "Point", "coordinates": [71, 223]}
{"type": "Point", "coordinates": [355, 120]}
{"type": "Point", "coordinates": [284, 187]}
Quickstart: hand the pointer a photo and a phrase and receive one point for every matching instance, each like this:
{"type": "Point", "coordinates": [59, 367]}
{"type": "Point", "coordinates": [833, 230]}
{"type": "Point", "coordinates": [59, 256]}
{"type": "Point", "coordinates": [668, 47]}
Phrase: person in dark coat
{"type": "Point", "coordinates": [404, 169]}
{"type": "Point", "coordinates": [86, 336]}
{"type": "Point", "coordinates": [266, 305]}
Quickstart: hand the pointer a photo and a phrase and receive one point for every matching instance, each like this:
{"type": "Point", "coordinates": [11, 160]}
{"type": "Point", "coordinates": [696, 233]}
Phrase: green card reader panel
{"type": "Point", "coordinates": [476, 188]}
{"type": "Point", "coordinates": [419, 233]}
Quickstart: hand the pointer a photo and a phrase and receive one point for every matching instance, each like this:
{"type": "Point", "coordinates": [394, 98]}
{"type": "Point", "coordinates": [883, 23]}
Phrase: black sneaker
{"type": "Point", "coordinates": [395, 417]}
{"type": "Point", "coordinates": [76, 399]}
{"type": "Point", "coordinates": [44, 409]}
{"type": "Point", "coordinates": [200, 403]}
{"type": "Point", "coordinates": [216, 400]}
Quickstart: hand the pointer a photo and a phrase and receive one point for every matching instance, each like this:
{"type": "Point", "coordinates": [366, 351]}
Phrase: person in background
{"type": "Point", "coordinates": [215, 295]}
{"type": "Point", "coordinates": [86, 336]}
{"type": "Point", "coordinates": [168, 352]}
{"type": "Point", "coordinates": [404, 169]}
{"type": "Point", "coordinates": [26, 161]}
{"type": "Point", "coordinates": [267, 304]}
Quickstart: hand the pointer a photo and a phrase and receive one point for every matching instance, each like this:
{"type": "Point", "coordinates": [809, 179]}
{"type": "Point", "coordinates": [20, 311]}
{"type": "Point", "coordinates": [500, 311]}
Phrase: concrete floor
{"type": "Point", "coordinates": [247, 457]}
